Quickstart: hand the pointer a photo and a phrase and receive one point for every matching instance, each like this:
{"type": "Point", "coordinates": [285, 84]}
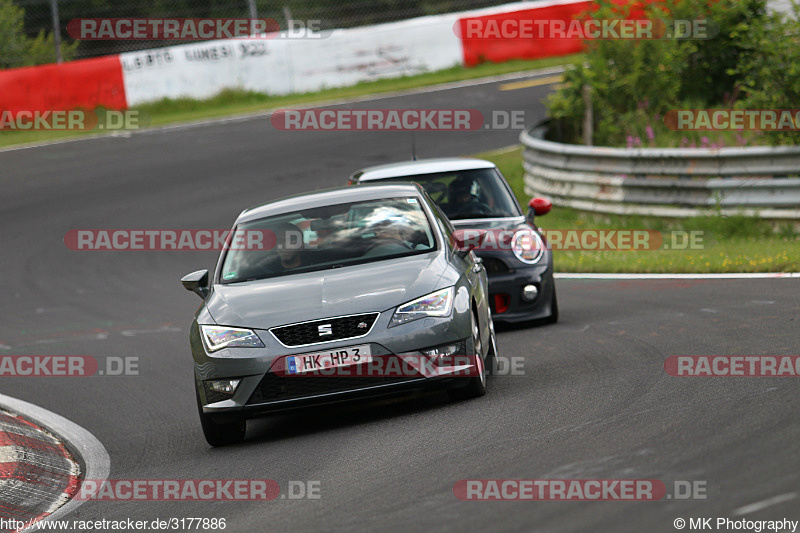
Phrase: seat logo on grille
{"type": "Point", "coordinates": [362, 325]}
{"type": "Point", "coordinates": [325, 329]}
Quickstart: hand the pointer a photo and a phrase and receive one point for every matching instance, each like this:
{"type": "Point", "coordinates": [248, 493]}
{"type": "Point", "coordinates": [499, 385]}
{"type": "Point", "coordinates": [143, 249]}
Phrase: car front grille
{"type": "Point", "coordinates": [329, 329]}
{"type": "Point", "coordinates": [274, 387]}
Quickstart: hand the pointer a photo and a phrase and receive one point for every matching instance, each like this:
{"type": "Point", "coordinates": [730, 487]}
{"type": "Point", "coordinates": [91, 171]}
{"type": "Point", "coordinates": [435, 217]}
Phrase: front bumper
{"type": "Point", "coordinates": [366, 391]}
{"type": "Point", "coordinates": [263, 389]}
{"type": "Point", "coordinates": [507, 284]}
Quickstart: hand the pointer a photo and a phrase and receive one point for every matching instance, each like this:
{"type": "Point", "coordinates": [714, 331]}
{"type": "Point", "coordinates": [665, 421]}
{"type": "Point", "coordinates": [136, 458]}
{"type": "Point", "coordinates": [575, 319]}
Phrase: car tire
{"type": "Point", "coordinates": [476, 386]}
{"type": "Point", "coordinates": [223, 434]}
{"type": "Point", "coordinates": [491, 355]}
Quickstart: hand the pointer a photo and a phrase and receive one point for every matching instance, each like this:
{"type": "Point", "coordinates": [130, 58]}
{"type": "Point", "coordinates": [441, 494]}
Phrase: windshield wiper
{"type": "Point", "coordinates": [245, 279]}
{"type": "Point", "coordinates": [462, 216]}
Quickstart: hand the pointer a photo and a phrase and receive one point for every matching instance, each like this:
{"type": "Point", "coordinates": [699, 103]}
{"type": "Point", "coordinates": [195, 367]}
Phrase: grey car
{"type": "Point", "coordinates": [338, 295]}
{"type": "Point", "coordinates": [476, 197]}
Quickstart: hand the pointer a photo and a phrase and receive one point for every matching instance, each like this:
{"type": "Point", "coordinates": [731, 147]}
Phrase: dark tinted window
{"type": "Point", "coordinates": [479, 193]}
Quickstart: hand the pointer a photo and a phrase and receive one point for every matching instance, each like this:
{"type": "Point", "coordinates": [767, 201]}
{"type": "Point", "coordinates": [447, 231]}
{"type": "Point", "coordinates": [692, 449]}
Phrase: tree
{"type": "Point", "coordinates": [13, 42]}
{"type": "Point", "coordinates": [19, 50]}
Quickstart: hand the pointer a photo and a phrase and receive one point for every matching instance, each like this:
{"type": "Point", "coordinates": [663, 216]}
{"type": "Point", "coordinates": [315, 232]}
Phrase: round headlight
{"type": "Point", "coordinates": [528, 246]}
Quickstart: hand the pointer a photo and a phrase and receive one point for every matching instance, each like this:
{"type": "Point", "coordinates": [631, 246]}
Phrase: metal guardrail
{"type": "Point", "coordinates": [755, 181]}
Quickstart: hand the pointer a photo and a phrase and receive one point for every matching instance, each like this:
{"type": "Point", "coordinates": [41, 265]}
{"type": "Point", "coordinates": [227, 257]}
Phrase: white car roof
{"type": "Point", "coordinates": [334, 196]}
{"type": "Point", "coordinates": [422, 166]}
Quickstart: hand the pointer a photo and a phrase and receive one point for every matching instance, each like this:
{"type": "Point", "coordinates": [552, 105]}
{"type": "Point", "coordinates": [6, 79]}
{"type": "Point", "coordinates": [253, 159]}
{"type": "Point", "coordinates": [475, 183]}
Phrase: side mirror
{"type": "Point", "coordinates": [464, 241]}
{"type": "Point", "coordinates": [197, 282]}
{"type": "Point", "coordinates": [538, 207]}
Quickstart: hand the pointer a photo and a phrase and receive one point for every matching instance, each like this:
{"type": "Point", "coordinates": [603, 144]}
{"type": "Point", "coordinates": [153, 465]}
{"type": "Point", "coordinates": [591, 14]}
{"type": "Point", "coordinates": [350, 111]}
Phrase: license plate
{"type": "Point", "coordinates": [311, 362]}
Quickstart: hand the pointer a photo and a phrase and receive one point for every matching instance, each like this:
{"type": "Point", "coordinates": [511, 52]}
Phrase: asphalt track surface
{"type": "Point", "coordinates": [594, 401]}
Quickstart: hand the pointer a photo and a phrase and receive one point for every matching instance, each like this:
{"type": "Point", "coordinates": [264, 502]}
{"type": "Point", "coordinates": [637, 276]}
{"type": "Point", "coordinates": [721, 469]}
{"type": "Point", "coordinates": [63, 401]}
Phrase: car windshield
{"type": "Point", "coordinates": [327, 237]}
{"type": "Point", "coordinates": [477, 193]}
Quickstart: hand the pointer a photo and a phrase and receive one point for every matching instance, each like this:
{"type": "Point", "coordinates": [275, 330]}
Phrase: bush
{"type": "Point", "coordinates": [770, 72]}
{"type": "Point", "coordinates": [633, 83]}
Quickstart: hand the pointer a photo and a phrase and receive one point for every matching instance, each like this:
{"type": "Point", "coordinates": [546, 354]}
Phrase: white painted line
{"type": "Point", "coordinates": [763, 504]}
{"type": "Point", "coordinates": [312, 105]}
{"type": "Point", "coordinates": [95, 458]}
{"type": "Point", "coordinates": [40, 144]}
{"type": "Point", "coordinates": [744, 275]}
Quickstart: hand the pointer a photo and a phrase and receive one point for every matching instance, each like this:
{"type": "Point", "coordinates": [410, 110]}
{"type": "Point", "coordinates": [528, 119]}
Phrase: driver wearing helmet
{"type": "Point", "coordinates": [464, 198]}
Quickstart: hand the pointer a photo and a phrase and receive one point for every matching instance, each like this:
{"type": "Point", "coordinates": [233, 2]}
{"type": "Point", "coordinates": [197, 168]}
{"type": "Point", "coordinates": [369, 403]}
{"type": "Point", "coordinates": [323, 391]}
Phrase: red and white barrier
{"type": "Point", "coordinates": [285, 65]}
{"type": "Point", "coordinates": [280, 65]}
{"type": "Point", "coordinates": [86, 83]}
{"type": "Point", "coordinates": [481, 49]}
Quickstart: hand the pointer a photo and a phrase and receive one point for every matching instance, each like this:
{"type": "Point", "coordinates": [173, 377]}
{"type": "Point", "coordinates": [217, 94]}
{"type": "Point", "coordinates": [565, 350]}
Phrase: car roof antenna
{"type": "Point", "coordinates": [413, 147]}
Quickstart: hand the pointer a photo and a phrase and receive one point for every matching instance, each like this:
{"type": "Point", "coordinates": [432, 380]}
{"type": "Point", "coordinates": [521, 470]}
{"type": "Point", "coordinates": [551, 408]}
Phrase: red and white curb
{"type": "Point", "coordinates": [37, 472]}
{"type": "Point", "coordinates": [42, 458]}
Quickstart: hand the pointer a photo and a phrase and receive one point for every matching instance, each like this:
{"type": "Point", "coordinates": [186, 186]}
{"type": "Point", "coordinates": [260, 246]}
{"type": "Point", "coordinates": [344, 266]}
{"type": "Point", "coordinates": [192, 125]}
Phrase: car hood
{"type": "Point", "coordinates": [370, 287]}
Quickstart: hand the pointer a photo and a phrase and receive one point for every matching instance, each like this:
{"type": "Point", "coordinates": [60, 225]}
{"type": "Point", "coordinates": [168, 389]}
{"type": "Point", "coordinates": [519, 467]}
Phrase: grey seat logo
{"type": "Point", "coordinates": [325, 329]}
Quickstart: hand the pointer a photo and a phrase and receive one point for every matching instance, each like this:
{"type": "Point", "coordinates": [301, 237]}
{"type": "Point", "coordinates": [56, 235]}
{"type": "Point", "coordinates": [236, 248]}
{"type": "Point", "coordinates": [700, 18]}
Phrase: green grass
{"type": "Point", "coordinates": [730, 244]}
{"type": "Point", "coordinates": [239, 102]}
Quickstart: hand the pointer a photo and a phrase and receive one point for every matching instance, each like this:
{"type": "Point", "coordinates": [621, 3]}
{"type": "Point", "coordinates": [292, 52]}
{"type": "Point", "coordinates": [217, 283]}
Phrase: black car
{"type": "Point", "coordinates": [475, 196]}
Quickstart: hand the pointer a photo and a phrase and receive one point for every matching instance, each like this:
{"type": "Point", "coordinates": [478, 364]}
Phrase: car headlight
{"type": "Point", "coordinates": [438, 303]}
{"type": "Point", "coordinates": [219, 337]}
{"type": "Point", "coordinates": [528, 246]}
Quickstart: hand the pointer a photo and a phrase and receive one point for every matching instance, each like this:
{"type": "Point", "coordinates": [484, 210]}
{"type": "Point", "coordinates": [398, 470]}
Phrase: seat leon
{"type": "Point", "coordinates": [333, 296]}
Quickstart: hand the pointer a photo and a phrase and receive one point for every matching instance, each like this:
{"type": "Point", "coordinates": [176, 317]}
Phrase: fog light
{"type": "Point", "coordinates": [443, 350]}
{"type": "Point", "coordinates": [227, 386]}
{"type": "Point", "coordinates": [529, 293]}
